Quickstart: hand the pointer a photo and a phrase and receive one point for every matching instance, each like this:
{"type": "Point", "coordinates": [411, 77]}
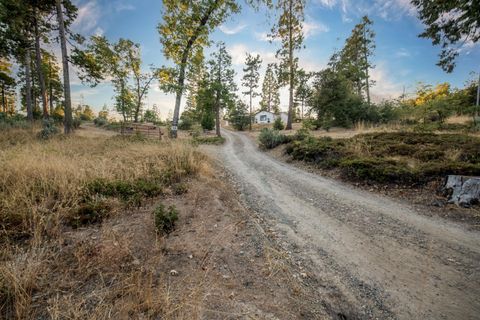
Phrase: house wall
{"type": "Point", "coordinates": [264, 117]}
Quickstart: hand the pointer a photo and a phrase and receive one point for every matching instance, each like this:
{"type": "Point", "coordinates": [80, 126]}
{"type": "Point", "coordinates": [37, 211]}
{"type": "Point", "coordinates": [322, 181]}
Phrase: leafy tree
{"type": "Point", "coordinates": [7, 85]}
{"type": "Point", "coordinates": [238, 116]}
{"type": "Point", "coordinates": [450, 24]}
{"type": "Point", "coordinates": [184, 32]}
{"type": "Point", "coordinates": [150, 116]}
{"type": "Point", "coordinates": [278, 124]}
{"type": "Point", "coordinates": [354, 58]}
{"type": "Point", "coordinates": [270, 96]}
{"type": "Point", "coordinates": [206, 103]}
{"type": "Point", "coordinates": [334, 101]}
{"type": "Point", "coordinates": [222, 82]}
{"type": "Point", "coordinates": [103, 113]}
{"type": "Point", "coordinates": [289, 30]}
{"type": "Point", "coordinates": [251, 77]}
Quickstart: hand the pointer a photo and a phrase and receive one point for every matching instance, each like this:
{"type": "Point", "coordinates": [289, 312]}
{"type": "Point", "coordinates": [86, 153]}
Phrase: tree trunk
{"type": "Point", "coordinates": [217, 118]}
{"type": "Point", "coordinates": [476, 113]}
{"type": "Point", "coordinates": [139, 100]}
{"type": "Point", "coordinates": [50, 88]}
{"type": "Point", "coordinates": [290, 62]}
{"type": "Point", "coordinates": [28, 86]}
{"type": "Point", "coordinates": [365, 49]}
{"type": "Point", "coordinates": [41, 78]}
{"type": "Point", "coordinates": [4, 104]}
{"type": "Point", "coordinates": [68, 121]}
{"type": "Point", "coordinates": [178, 98]}
{"type": "Point", "coordinates": [250, 112]}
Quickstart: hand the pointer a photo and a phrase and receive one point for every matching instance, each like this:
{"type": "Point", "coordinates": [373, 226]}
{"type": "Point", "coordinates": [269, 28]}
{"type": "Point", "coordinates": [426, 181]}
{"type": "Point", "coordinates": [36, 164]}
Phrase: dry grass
{"type": "Point", "coordinates": [41, 184]}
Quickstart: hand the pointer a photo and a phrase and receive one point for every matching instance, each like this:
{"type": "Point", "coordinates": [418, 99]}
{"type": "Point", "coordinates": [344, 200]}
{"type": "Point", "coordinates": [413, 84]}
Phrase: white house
{"type": "Point", "coordinates": [265, 117]}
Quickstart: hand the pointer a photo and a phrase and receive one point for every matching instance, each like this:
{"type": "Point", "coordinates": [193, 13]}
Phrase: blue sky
{"type": "Point", "coordinates": [401, 58]}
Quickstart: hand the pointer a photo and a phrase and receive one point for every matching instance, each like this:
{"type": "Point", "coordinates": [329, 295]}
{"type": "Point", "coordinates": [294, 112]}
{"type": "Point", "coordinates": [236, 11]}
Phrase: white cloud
{"type": "Point", "coordinates": [311, 28]}
{"type": "Point", "coordinates": [87, 18]}
{"type": "Point", "coordinates": [385, 87]}
{"type": "Point", "coordinates": [386, 9]}
{"type": "Point", "coordinates": [232, 30]}
{"type": "Point", "coordinates": [122, 6]}
{"type": "Point", "coordinates": [239, 52]}
{"type": "Point", "coordinates": [402, 53]}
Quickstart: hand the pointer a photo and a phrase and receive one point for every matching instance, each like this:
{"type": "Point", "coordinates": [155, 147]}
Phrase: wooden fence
{"type": "Point", "coordinates": [148, 130]}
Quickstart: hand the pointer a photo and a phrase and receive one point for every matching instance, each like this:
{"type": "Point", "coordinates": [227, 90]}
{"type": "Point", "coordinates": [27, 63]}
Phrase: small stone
{"type": "Point", "coordinates": [173, 273]}
{"type": "Point", "coordinates": [190, 256]}
{"type": "Point", "coordinates": [136, 262]}
{"type": "Point", "coordinates": [303, 275]}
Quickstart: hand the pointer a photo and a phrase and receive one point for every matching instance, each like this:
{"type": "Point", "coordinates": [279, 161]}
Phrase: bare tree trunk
{"type": "Point", "coordinates": [41, 78]}
{"type": "Point", "coordinates": [68, 121]}
{"type": "Point", "coordinates": [4, 104]}
{"type": "Point", "coordinates": [478, 101]}
{"type": "Point", "coordinates": [217, 118]}
{"type": "Point", "coordinates": [250, 112]}
{"type": "Point", "coordinates": [291, 79]}
{"type": "Point", "coordinates": [28, 86]}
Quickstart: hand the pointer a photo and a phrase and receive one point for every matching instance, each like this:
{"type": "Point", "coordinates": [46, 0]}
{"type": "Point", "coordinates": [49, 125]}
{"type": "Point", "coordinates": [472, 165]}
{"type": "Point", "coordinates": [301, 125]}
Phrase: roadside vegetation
{"type": "Point", "coordinates": [49, 188]}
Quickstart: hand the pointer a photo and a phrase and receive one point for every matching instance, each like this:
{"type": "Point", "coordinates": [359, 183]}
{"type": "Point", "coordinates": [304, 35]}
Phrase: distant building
{"type": "Point", "coordinates": [265, 117]}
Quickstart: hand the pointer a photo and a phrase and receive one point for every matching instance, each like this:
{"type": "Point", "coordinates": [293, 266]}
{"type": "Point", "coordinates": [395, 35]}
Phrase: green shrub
{"type": "Point", "coordinates": [77, 122]}
{"type": "Point", "coordinates": [49, 129]}
{"type": "Point", "coordinates": [180, 188]}
{"type": "Point", "coordinates": [208, 121]}
{"type": "Point", "coordinates": [165, 219]}
{"type": "Point", "coordinates": [278, 124]}
{"type": "Point", "coordinates": [377, 170]}
{"type": "Point", "coordinates": [90, 212]}
{"type": "Point", "coordinates": [270, 139]}
{"type": "Point", "coordinates": [129, 191]}
{"type": "Point", "coordinates": [100, 121]}
{"type": "Point", "coordinates": [216, 140]}
{"type": "Point", "coordinates": [302, 134]}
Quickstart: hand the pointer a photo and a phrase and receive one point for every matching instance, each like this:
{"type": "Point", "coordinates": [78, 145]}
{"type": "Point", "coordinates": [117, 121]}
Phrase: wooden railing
{"type": "Point", "coordinates": [148, 130]}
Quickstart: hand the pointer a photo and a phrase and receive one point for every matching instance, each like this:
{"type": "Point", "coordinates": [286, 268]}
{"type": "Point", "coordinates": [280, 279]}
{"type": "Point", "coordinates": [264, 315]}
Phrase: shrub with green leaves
{"type": "Point", "coordinates": [270, 139]}
{"type": "Point", "coordinates": [100, 121]}
{"type": "Point", "coordinates": [165, 219]}
{"type": "Point", "coordinates": [49, 129]}
{"type": "Point", "coordinates": [278, 124]}
{"type": "Point", "coordinates": [209, 140]}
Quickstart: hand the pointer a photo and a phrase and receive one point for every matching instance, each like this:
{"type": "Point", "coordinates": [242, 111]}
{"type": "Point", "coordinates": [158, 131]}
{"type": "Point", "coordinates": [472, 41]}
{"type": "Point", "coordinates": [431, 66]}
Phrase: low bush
{"type": "Point", "coordinates": [49, 129]}
{"type": "Point", "coordinates": [402, 157]}
{"type": "Point", "coordinates": [91, 212]}
{"type": "Point", "coordinates": [270, 139]}
{"type": "Point", "coordinates": [216, 140]}
{"type": "Point", "coordinates": [278, 124]}
{"type": "Point", "coordinates": [165, 219]}
{"type": "Point", "coordinates": [100, 121]}
{"type": "Point", "coordinates": [125, 190]}
{"type": "Point", "coordinates": [180, 188]}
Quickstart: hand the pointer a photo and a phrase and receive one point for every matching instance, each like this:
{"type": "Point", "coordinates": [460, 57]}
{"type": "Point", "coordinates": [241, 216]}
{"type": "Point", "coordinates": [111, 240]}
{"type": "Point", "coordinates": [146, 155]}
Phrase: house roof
{"type": "Point", "coordinates": [264, 112]}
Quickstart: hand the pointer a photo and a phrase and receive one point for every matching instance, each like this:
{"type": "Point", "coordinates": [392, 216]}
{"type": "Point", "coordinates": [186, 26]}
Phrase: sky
{"type": "Point", "coordinates": [401, 58]}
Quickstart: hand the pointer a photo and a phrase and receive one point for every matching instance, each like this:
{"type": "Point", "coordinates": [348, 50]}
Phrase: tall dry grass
{"type": "Point", "coordinates": [41, 184]}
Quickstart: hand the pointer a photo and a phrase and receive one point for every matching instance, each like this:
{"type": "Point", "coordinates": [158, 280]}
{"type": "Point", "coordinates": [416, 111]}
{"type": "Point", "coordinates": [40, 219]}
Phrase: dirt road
{"type": "Point", "coordinates": [371, 257]}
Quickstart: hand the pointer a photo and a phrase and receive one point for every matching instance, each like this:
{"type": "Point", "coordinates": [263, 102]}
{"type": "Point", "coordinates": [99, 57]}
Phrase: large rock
{"type": "Point", "coordinates": [463, 190]}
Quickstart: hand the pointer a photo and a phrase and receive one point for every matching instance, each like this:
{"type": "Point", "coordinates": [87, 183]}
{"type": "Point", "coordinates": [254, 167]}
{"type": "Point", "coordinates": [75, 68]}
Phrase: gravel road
{"type": "Point", "coordinates": [371, 257]}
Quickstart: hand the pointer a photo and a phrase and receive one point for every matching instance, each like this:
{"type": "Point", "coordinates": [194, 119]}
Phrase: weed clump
{"type": "Point", "coordinates": [49, 129]}
{"type": "Point", "coordinates": [125, 190]}
{"type": "Point", "coordinates": [88, 213]}
{"type": "Point", "coordinates": [209, 140]}
{"type": "Point", "coordinates": [270, 139]}
{"type": "Point", "coordinates": [165, 219]}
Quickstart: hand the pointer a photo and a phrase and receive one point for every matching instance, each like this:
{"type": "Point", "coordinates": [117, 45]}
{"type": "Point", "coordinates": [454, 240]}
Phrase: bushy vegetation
{"type": "Point", "coordinates": [49, 129]}
{"type": "Point", "coordinates": [278, 124]}
{"type": "Point", "coordinates": [209, 140]}
{"type": "Point", "coordinates": [270, 139]}
{"type": "Point", "coordinates": [403, 158]}
{"type": "Point", "coordinates": [165, 218]}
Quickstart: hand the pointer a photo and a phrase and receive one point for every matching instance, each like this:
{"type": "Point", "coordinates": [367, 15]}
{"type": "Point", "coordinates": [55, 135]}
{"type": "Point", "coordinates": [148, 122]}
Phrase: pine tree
{"type": "Point", "coordinates": [289, 30]}
{"type": "Point", "coordinates": [222, 81]}
{"type": "Point", "coordinates": [270, 95]}
{"type": "Point", "coordinates": [251, 77]}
